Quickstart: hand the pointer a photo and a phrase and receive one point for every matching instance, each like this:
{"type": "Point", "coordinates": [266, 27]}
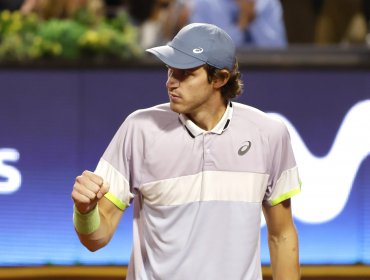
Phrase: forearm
{"type": "Point", "coordinates": [95, 217]}
{"type": "Point", "coordinates": [95, 232]}
{"type": "Point", "coordinates": [99, 237]}
{"type": "Point", "coordinates": [284, 255]}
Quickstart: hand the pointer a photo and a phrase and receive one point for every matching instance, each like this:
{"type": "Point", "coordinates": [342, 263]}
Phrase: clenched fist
{"type": "Point", "coordinates": [88, 189]}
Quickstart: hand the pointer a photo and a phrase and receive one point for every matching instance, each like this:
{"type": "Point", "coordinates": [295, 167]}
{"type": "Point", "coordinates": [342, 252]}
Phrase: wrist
{"type": "Point", "coordinates": [86, 223]}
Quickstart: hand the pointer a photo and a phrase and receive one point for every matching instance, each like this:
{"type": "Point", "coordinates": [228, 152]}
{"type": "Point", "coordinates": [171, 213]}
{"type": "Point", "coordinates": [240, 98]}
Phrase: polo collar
{"type": "Point", "coordinates": [221, 126]}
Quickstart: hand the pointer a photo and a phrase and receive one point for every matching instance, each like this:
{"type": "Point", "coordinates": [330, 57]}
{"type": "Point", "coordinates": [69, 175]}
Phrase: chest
{"type": "Point", "coordinates": [182, 155]}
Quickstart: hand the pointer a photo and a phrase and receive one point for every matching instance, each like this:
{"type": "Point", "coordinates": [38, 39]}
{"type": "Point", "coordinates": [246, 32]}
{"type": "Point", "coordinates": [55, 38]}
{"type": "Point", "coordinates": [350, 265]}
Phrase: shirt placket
{"type": "Point", "coordinates": [207, 150]}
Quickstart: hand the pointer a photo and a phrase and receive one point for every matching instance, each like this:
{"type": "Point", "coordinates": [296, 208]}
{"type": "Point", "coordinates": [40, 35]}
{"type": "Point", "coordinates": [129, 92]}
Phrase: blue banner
{"type": "Point", "coordinates": [57, 123]}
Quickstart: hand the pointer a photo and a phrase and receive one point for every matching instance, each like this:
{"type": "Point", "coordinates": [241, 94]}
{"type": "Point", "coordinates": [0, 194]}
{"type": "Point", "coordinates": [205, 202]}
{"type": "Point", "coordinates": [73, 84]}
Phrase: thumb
{"type": "Point", "coordinates": [104, 188]}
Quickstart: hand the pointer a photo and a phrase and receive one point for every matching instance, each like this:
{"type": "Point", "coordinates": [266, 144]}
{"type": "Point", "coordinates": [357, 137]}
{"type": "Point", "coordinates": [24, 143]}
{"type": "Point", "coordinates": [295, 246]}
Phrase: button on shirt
{"type": "Point", "coordinates": [198, 195]}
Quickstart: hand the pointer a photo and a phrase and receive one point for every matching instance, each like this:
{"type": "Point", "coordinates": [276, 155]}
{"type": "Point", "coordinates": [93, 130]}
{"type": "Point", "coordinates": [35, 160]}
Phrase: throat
{"type": "Point", "coordinates": [207, 120]}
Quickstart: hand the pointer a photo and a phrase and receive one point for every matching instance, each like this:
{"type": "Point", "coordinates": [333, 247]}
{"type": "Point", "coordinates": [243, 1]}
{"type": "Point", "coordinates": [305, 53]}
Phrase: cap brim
{"type": "Point", "coordinates": [175, 58]}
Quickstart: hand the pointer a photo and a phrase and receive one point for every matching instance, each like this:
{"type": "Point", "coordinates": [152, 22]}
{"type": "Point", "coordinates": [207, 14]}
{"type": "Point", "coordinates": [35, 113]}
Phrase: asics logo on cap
{"type": "Point", "coordinates": [198, 50]}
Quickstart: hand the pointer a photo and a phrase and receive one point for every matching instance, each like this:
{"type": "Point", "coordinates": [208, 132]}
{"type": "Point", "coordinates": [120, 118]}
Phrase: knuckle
{"type": "Point", "coordinates": [76, 183]}
{"type": "Point", "coordinates": [91, 195]}
{"type": "Point", "coordinates": [73, 195]}
{"type": "Point", "coordinates": [77, 187]}
{"type": "Point", "coordinates": [105, 188]}
{"type": "Point", "coordinates": [98, 179]}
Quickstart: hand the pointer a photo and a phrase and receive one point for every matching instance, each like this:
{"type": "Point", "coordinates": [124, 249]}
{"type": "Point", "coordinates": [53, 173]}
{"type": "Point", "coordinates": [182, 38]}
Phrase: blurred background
{"type": "Point", "coordinates": [72, 71]}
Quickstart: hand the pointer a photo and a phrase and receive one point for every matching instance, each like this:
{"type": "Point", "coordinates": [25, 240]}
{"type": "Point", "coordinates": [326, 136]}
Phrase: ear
{"type": "Point", "coordinates": [221, 79]}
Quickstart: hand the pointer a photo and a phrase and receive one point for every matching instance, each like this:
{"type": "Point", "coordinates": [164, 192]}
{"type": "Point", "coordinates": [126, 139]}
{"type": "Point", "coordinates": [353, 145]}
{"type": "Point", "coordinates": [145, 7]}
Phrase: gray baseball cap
{"type": "Point", "coordinates": [197, 44]}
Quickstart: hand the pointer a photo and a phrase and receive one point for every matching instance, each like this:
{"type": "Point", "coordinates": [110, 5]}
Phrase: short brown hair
{"type": "Point", "coordinates": [234, 85]}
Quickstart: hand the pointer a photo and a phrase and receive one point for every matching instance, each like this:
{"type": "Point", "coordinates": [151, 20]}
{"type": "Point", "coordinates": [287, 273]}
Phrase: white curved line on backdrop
{"type": "Point", "coordinates": [327, 180]}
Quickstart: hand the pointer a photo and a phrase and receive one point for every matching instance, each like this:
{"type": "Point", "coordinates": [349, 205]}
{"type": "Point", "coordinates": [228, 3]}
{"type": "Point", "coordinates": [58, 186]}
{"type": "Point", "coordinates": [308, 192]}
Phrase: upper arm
{"type": "Point", "coordinates": [278, 217]}
{"type": "Point", "coordinates": [283, 181]}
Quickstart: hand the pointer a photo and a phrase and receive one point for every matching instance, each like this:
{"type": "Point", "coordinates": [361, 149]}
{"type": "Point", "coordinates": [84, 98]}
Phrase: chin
{"type": "Point", "coordinates": [176, 108]}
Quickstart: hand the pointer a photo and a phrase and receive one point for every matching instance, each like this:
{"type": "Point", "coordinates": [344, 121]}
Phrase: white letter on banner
{"type": "Point", "coordinates": [13, 177]}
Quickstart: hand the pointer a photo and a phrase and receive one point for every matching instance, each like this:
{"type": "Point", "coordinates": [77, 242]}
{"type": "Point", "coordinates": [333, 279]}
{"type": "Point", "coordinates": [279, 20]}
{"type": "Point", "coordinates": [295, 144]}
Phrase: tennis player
{"type": "Point", "coordinates": [199, 171]}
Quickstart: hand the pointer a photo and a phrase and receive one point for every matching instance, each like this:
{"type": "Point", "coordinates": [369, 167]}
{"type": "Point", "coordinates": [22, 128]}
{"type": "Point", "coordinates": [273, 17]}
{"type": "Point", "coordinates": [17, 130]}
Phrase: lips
{"type": "Point", "coordinates": [174, 96]}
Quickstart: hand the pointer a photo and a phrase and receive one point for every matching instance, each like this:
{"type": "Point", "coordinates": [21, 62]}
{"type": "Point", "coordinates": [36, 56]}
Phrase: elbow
{"type": "Point", "coordinates": [284, 236]}
{"type": "Point", "coordinates": [276, 239]}
{"type": "Point", "coordinates": [93, 246]}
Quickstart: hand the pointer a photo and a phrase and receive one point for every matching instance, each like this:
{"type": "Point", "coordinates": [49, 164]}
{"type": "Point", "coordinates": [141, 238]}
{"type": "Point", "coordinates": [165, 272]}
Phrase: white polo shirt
{"type": "Point", "coordinates": [197, 194]}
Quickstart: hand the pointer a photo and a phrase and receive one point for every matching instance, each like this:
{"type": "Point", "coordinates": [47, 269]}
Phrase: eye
{"type": "Point", "coordinates": [186, 73]}
{"type": "Point", "coordinates": [180, 74]}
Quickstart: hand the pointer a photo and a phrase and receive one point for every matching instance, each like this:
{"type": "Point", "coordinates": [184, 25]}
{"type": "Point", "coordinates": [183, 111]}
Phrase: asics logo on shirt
{"type": "Point", "coordinates": [245, 148]}
{"type": "Point", "coordinates": [197, 50]}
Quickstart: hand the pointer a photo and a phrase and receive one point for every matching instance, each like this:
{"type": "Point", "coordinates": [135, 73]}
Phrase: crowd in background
{"type": "Point", "coordinates": [251, 23]}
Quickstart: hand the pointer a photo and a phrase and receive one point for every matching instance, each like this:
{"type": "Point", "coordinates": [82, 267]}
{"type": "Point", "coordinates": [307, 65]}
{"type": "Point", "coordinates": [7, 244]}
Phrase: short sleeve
{"type": "Point", "coordinates": [114, 167]}
{"type": "Point", "coordinates": [284, 181]}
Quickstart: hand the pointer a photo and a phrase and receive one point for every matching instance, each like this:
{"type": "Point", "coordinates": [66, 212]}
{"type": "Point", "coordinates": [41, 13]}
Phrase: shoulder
{"type": "Point", "coordinates": [252, 117]}
{"type": "Point", "coordinates": [155, 117]}
{"type": "Point", "coordinates": [162, 111]}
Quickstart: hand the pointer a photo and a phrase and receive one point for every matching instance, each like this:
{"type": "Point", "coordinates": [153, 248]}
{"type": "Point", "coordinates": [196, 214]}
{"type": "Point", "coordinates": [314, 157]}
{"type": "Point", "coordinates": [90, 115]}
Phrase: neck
{"type": "Point", "coordinates": [208, 117]}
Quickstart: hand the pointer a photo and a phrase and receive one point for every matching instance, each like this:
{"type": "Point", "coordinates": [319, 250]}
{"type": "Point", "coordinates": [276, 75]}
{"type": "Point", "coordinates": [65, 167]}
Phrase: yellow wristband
{"type": "Point", "coordinates": [86, 223]}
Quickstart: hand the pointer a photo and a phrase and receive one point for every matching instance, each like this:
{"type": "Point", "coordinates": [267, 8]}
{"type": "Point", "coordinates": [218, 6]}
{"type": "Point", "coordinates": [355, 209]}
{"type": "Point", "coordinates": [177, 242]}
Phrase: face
{"type": "Point", "coordinates": [189, 90]}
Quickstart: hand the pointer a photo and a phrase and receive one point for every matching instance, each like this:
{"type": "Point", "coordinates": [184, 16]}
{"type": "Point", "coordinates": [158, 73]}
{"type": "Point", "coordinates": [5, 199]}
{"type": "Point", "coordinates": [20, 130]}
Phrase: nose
{"type": "Point", "coordinates": [172, 82]}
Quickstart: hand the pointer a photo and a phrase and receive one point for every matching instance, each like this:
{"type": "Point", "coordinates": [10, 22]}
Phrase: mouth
{"type": "Point", "coordinates": [173, 96]}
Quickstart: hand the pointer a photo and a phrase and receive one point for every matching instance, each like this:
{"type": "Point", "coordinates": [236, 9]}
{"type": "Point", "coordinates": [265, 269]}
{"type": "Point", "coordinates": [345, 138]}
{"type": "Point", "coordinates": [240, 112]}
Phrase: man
{"type": "Point", "coordinates": [199, 170]}
{"type": "Point", "coordinates": [250, 23]}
